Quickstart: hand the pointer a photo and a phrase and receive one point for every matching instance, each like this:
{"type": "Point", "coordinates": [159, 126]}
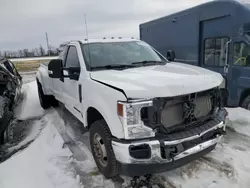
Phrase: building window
{"type": "Point", "coordinates": [215, 51]}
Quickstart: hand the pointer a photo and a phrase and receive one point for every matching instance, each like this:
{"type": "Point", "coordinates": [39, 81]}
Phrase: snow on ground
{"type": "Point", "coordinates": [239, 120]}
{"type": "Point", "coordinates": [31, 107]}
{"type": "Point", "coordinates": [32, 134]}
{"type": "Point", "coordinates": [43, 164]}
{"type": "Point", "coordinates": [28, 76]}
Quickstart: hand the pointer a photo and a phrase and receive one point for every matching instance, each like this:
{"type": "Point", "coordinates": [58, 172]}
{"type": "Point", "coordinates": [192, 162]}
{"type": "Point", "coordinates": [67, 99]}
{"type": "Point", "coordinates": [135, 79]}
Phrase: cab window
{"type": "Point", "coordinates": [215, 51]}
{"type": "Point", "coordinates": [241, 54]}
{"type": "Point", "coordinates": [72, 59]}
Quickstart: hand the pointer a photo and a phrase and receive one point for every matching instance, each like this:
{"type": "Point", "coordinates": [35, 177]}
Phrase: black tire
{"type": "Point", "coordinates": [5, 122]}
{"type": "Point", "coordinates": [246, 103]}
{"type": "Point", "coordinates": [46, 101]}
{"type": "Point", "coordinates": [112, 168]}
{"type": "Point", "coordinates": [1, 138]}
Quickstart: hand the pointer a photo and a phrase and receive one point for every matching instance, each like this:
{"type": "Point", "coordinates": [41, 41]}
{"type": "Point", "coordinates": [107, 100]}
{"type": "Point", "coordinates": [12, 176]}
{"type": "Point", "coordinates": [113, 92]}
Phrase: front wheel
{"type": "Point", "coordinates": [246, 103]}
{"type": "Point", "coordinates": [100, 141]}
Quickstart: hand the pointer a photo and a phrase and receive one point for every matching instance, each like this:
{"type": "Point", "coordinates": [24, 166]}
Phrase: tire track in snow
{"type": "Point", "coordinates": [86, 171]}
{"type": "Point", "coordinates": [224, 167]}
{"type": "Point", "coordinates": [21, 138]}
{"type": "Point", "coordinates": [237, 141]}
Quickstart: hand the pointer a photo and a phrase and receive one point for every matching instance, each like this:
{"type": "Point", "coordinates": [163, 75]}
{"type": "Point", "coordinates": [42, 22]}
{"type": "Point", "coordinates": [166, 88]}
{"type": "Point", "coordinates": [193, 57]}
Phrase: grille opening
{"type": "Point", "coordinates": [182, 110]}
{"type": "Point", "coordinates": [144, 113]}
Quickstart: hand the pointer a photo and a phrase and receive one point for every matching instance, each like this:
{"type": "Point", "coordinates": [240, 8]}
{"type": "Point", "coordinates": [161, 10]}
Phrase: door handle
{"type": "Point", "coordinates": [226, 69]}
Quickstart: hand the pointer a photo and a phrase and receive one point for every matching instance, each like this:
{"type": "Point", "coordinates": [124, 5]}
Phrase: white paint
{"type": "Point", "coordinates": [108, 40]}
{"type": "Point", "coordinates": [173, 79]}
{"type": "Point", "coordinates": [167, 80]}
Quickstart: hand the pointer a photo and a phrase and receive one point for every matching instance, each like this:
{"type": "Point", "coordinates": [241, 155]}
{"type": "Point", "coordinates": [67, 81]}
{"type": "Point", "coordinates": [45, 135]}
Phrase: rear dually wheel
{"type": "Point", "coordinates": [46, 101]}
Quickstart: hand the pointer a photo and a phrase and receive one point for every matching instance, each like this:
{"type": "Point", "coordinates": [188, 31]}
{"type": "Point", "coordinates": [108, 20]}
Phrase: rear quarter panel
{"type": "Point", "coordinates": [43, 77]}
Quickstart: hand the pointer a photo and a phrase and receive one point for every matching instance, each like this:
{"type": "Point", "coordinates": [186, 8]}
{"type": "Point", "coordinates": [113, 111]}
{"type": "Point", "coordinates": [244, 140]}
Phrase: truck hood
{"type": "Point", "coordinates": [168, 80]}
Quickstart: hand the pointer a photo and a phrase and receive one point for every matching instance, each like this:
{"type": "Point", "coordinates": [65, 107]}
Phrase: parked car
{"type": "Point", "coordinates": [213, 35]}
{"type": "Point", "coordinates": [10, 90]}
{"type": "Point", "coordinates": [144, 113]}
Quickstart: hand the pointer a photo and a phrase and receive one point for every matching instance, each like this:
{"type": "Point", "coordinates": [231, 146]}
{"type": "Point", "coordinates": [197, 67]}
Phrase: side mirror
{"type": "Point", "coordinates": [170, 55]}
{"type": "Point", "coordinates": [55, 68]}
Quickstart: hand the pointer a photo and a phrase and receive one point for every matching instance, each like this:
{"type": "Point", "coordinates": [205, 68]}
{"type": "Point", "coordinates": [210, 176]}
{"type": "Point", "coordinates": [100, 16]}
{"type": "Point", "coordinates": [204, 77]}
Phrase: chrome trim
{"type": "Point", "coordinates": [197, 148]}
{"type": "Point", "coordinates": [121, 150]}
{"type": "Point", "coordinates": [220, 125]}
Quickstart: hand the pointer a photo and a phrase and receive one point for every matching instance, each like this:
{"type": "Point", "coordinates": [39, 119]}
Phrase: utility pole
{"type": "Point", "coordinates": [47, 40]}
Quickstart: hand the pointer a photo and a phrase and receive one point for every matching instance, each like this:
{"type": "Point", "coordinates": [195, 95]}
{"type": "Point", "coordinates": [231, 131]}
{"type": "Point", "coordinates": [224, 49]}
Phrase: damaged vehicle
{"type": "Point", "coordinates": [144, 113]}
{"type": "Point", "coordinates": [10, 90]}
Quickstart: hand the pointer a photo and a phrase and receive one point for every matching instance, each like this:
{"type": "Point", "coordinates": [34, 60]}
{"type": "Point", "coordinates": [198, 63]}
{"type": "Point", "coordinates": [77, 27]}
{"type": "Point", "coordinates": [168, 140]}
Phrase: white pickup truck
{"type": "Point", "coordinates": [144, 113]}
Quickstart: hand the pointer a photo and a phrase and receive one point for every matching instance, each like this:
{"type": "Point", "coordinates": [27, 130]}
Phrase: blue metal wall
{"type": "Point", "coordinates": [180, 31]}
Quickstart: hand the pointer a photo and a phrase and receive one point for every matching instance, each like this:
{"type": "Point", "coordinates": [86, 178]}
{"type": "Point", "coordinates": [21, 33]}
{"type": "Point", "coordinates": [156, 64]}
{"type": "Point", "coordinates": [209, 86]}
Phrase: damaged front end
{"type": "Point", "coordinates": [10, 89]}
{"type": "Point", "coordinates": [169, 131]}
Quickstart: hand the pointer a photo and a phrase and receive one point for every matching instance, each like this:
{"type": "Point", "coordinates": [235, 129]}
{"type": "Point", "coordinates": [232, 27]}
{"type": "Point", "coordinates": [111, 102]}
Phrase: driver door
{"type": "Point", "coordinates": [239, 70]}
{"type": "Point", "coordinates": [71, 86]}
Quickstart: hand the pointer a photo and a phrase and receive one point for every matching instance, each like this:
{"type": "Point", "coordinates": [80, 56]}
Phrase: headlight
{"type": "Point", "coordinates": [130, 116]}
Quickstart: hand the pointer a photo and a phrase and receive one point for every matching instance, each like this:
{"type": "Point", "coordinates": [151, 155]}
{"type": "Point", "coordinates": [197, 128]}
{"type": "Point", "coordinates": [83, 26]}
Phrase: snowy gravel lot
{"type": "Point", "coordinates": [57, 153]}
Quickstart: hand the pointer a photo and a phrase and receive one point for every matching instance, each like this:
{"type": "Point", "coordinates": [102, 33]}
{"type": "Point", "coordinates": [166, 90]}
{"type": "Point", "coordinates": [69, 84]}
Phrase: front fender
{"type": "Point", "coordinates": [104, 99]}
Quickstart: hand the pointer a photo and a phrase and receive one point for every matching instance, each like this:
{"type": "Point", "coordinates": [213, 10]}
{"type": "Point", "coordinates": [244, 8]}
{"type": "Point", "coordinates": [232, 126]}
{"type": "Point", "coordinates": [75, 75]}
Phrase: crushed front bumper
{"type": "Point", "coordinates": [158, 155]}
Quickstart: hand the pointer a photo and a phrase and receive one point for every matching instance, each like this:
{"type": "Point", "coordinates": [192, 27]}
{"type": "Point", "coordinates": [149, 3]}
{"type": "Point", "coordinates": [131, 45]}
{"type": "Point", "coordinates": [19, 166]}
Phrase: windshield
{"type": "Point", "coordinates": [119, 53]}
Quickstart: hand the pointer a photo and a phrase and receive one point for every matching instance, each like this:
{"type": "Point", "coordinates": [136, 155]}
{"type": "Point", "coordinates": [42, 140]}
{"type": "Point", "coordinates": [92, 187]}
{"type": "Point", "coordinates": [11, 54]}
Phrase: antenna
{"type": "Point", "coordinates": [86, 27]}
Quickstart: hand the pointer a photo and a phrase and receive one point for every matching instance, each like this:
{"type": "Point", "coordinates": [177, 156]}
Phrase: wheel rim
{"type": "Point", "coordinates": [100, 150]}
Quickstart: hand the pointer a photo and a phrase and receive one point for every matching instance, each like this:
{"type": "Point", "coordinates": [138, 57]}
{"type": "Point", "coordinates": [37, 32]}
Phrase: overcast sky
{"type": "Point", "coordinates": [23, 23]}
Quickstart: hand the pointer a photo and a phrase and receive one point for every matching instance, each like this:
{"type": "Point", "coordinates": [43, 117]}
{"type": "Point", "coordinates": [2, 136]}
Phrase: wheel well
{"type": "Point", "coordinates": [92, 116]}
{"type": "Point", "coordinates": [244, 94]}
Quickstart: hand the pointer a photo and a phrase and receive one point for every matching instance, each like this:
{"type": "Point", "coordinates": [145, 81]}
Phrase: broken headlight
{"type": "Point", "coordinates": [130, 116]}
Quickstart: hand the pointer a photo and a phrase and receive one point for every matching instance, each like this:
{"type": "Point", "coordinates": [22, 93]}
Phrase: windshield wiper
{"type": "Point", "coordinates": [149, 63]}
{"type": "Point", "coordinates": [113, 66]}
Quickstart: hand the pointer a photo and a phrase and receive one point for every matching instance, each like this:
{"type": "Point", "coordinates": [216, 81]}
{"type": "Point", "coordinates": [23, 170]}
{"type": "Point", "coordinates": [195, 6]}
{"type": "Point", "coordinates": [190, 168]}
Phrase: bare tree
{"type": "Point", "coordinates": [36, 51]}
{"type": "Point", "coordinates": [26, 52]}
{"type": "Point", "coordinates": [42, 51]}
{"type": "Point", "coordinates": [20, 53]}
